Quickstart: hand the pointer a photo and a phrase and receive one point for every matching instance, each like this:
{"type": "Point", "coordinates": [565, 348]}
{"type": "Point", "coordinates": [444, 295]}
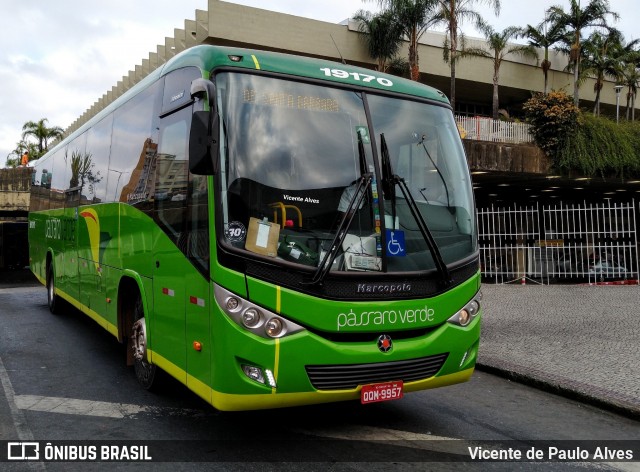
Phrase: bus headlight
{"type": "Point", "coordinates": [467, 313]}
{"type": "Point", "coordinates": [232, 303]}
{"type": "Point", "coordinates": [463, 317]}
{"type": "Point", "coordinates": [251, 318]}
{"type": "Point", "coordinates": [254, 318]}
{"type": "Point", "coordinates": [274, 327]}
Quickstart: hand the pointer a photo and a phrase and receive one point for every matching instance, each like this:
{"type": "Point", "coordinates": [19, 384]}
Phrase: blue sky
{"type": "Point", "coordinates": [58, 58]}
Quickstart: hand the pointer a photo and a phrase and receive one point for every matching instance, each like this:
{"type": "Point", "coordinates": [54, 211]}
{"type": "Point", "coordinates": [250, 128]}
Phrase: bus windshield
{"type": "Point", "coordinates": [294, 155]}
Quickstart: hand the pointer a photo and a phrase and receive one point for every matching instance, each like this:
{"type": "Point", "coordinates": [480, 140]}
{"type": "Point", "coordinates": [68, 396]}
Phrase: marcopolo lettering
{"type": "Point", "coordinates": [383, 288]}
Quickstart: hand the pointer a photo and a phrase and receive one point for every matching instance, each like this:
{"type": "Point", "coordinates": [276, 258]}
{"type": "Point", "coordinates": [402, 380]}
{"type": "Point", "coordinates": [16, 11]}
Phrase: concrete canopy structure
{"type": "Point", "coordinates": [237, 25]}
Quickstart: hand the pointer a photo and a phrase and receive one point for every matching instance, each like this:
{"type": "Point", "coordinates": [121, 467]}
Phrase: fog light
{"type": "Point", "coordinates": [251, 318]}
{"type": "Point", "coordinates": [254, 373]}
{"type": "Point", "coordinates": [274, 327]}
{"type": "Point", "coordinates": [232, 304]}
{"type": "Point", "coordinates": [464, 317]}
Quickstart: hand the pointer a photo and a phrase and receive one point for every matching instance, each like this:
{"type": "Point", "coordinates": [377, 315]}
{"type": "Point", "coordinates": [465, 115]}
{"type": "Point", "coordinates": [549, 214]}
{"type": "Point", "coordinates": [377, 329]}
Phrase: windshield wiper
{"type": "Point", "coordinates": [390, 180]}
{"type": "Point", "coordinates": [362, 187]}
{"type": "Point", "coordinates": [363, 184]}
{"type": "Point", "coordinates": [444, 183]}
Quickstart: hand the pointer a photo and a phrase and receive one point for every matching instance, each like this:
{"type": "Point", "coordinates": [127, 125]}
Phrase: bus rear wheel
{"type": "Point", "coordinates": [53, 300]}
{"type": "Point", "coordinates": [146, 373]}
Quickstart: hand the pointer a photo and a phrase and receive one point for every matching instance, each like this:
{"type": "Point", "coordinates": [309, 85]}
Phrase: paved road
{"type": "Point", "coordinates": [581, 341]}
{"type": "Point", "coordinates": [62, 378]}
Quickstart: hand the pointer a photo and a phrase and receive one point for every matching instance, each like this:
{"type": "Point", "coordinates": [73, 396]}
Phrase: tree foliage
{"type": "Point", "coordinates": [42, 133]}
{"type": "Point", "coordinates": [553, 117]}
{"type": "Point", "coordinates": [602, 58]}
{"type": "Point", "coordinates": [412, 17]}
{"type": "Point", "coordinates": [544, 36]}
{"type": "Point", "coordinates": [382, 36]}
{"type": "Point", "coordinates": [574, 21]}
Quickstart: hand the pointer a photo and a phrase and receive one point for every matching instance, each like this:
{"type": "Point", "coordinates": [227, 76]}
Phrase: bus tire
{"type": "Point", "coordinates": [53, 300]}
{"type": "Point", "coordinates": [146, 373]}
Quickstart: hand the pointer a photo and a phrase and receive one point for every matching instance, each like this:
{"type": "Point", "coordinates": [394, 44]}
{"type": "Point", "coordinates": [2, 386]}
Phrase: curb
{"type": "Point", "coordinates": [563, 388]}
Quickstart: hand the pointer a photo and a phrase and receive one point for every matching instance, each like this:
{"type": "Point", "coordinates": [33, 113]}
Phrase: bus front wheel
{"type": "Point", "coordinates": [145, 371]}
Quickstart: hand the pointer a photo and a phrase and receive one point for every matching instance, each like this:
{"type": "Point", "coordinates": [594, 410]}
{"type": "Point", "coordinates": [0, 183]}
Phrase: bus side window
{"type": "Point", "coordinates": [58, 179]}
{"type": "Point", "coordinates": [181, 197]}
{"type": "Point", "coordinates": [99, 146]}
{"type": "Point", "coordinates": [133, 131]}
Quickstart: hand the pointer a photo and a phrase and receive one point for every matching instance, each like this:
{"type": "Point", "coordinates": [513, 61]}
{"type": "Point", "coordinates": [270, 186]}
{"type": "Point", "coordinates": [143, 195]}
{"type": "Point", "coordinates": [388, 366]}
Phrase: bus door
{"type": "Point", "coordinates": [181, 281]}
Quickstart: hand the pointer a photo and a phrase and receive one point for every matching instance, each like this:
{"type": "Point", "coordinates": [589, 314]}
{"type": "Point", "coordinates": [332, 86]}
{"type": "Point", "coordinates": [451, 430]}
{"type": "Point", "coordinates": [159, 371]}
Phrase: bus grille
{"type": "Point", "coordinates": [349, 376]}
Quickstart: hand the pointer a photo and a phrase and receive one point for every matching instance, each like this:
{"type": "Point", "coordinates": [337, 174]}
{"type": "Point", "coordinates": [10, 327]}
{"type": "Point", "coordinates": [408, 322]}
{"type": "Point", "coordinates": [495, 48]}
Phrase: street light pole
{"type": "Point", "coordinates": [617, 88]}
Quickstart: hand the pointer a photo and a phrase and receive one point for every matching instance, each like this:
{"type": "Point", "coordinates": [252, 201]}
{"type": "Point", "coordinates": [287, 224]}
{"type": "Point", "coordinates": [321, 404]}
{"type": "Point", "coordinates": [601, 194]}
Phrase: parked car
{"type": "Point", "coordinates": [609, 269]}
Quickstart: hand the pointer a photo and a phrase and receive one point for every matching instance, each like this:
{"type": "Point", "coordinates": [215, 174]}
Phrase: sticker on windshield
{"type": "Point", "coordinates": [395, 243]}
{"type": "Point", "coordinates": [236, 232]}
{"type": "Point", "coordinates": [363, 132]}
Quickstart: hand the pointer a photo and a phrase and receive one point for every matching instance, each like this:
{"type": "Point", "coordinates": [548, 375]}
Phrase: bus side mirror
{"type": "Point", "coordinates": [205, 131]}
{"type": "Point", "coordinates": [203, 143]}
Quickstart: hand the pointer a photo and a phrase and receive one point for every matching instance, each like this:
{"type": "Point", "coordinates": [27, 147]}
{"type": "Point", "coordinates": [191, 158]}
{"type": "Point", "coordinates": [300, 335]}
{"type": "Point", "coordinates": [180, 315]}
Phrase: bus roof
{"type": "Point", "coordinates": [210, 57]}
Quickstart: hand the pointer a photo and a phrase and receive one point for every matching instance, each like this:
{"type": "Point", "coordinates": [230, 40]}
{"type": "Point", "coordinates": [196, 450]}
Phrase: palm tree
{"type": "Point", "coordinates": [13, 158]}
{"type": "Point", "coordinates": [630, 79]}
{"type": "Point", "coordinates": [498, 49]}
{"type": "Point", "coordinates": [382, 36]}
{"type": "Point", "coordinates": [42, 134]}
{"type": "Point", "coordinates": [544, 36]}
{"type": "Point", "coordinates": [452, 13]}
{"type": "Point", "coordinates": [602, 57]}
{"type": "Point", "coordinates": [629, 74]}
{"type": "Point", "coordinates": [575, 21]}
{"type": "Point", "coordinates": [412, 17]}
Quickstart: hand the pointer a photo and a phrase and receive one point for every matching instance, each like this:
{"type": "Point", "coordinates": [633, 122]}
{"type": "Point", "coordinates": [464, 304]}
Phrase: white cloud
{"type": "Point", "coordinates": [56, 61]}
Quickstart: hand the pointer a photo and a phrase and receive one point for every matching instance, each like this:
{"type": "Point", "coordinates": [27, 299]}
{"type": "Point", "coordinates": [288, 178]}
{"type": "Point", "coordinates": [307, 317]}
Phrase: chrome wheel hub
{"type": "Point", "coordinates": [139, 340]}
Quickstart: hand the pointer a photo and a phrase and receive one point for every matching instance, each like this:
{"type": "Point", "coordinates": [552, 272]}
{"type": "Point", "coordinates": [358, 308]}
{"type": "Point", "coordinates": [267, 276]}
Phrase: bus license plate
{"type": "Point", "coordinates": [381, 392]}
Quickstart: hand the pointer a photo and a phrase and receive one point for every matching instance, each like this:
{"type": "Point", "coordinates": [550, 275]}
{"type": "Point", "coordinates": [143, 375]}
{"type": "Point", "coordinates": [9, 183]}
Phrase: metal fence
{"type": "Point", "coordinates": [588, 243]}
{"type": "Point", "coordinates": [487, 129]}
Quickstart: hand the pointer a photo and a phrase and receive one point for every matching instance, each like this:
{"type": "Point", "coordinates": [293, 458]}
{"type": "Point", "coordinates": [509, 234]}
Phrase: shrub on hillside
{"type": "Point", "coordinates": [553, 117]}
{"type": "Point", "coordinates": [602, 146]}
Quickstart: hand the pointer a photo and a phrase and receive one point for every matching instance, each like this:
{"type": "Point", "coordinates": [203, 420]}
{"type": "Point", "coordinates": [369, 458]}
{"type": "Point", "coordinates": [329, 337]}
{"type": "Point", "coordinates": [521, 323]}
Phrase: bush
{"type": "Point", "coordinates": [602, 146]}
{"type": "Point", "coordinates": [553, 117]}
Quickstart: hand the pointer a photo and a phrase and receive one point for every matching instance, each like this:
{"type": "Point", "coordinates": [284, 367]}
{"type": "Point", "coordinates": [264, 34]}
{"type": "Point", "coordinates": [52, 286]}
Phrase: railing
{"type": "Point", "coordinates": [586, 243]}
{"type": "Point", "coordinates": [480, 128]}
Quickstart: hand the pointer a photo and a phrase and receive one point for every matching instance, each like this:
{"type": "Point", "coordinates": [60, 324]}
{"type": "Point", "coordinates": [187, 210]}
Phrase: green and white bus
{"type": "Point", "coordinates": [270, 230]}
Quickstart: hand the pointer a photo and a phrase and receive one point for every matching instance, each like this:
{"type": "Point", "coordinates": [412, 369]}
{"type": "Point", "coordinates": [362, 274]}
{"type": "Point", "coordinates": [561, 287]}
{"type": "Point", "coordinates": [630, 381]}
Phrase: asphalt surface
{"type": "Point", "coordinates": [582, 342]}
{"type": "Point", "coordinates": [578, 341]}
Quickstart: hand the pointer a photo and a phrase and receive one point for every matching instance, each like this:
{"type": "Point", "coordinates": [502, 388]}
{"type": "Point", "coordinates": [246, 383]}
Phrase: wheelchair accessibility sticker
{"type": "Point", "coordinates": [395, 243]}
